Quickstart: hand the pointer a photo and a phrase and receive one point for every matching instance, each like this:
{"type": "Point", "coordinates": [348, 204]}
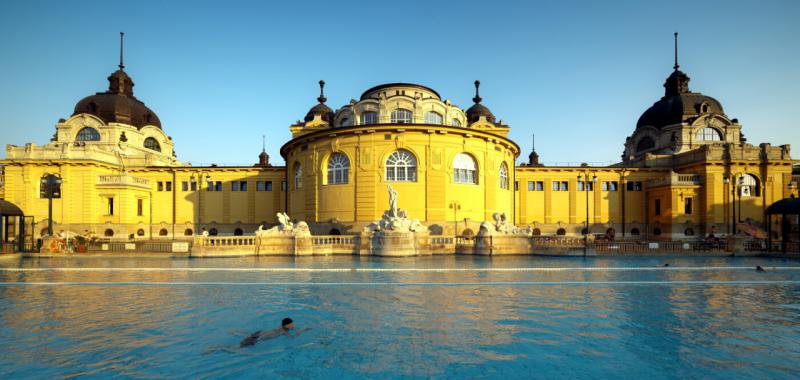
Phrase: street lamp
{"type": "Point", "coordinates": [739, 184]}
{"type": "Point", "coordinates": [195, 179]}
{"type": "Point", "coordinates": [727, 182]}
{"type": "Point", "coordinates": [49, 183]}
{"type": "Point", "coordinates": [455, 206]}
{"type": "Point", "coordinates": [586, 190]}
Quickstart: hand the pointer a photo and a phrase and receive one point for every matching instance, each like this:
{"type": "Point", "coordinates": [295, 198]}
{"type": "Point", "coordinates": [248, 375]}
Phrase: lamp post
{"type": "Point", "coordinates": [455, 206]}
{"type": "Point", "coordinates": [50, 181]}
{"type": "Point", "coordinates": [739, 184]}
{"type": "Point", "coordinates": [727, 182]}
{"type": "Point", "coordinates": [195, 179]}
{"type": "Point", "coordinates": [586, 190]}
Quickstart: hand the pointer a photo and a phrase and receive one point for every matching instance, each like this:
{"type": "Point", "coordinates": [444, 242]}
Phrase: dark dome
{"type": "Point", "coordinates": [118, 105]}
{"type": "Point", "coordinates": [678, 104]}
{"type": "Point", "coordinates": [477, 110]}
{"type": "Point", "coordinates": [321, 109]}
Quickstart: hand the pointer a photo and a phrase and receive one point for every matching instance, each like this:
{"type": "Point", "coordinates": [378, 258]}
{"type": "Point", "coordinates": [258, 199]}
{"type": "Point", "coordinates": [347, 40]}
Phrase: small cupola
{"type": "Point", "coordinates": [321, 110]}
{"type": "Point", "coordinates": [477, 110]}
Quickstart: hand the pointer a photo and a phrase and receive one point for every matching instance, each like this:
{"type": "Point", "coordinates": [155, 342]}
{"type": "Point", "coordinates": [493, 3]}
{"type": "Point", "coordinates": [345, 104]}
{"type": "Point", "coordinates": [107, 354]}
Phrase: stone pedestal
{"type": "Point", "coordinates": [396, 244]}
{"type": "Point", "coordinates": [303, 246]}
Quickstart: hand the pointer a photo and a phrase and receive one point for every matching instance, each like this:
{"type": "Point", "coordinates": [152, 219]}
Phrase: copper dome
{"type": "Point", "coordinates": [118, 105]}
{"type": "Point", "coordinates": [678, 104]}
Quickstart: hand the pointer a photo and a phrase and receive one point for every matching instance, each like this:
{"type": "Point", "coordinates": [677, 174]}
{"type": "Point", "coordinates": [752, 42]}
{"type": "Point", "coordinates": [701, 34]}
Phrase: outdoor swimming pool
{"type": "Point", "coordinates": [455, 316]}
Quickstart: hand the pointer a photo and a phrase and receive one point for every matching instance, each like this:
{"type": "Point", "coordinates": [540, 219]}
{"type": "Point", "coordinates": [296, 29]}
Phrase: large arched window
{"type": "Point", "coordinates": [401, 116]}
{"type": "Point", "coordinates": [645, 143]}
{"type": "Point", "coordinates": [369, 117]}
{"type": "Point", "coordinates": [338, 169]}
{"type": "Point", "coordinates": [401, 166]}
{"type": "Point", "coordinates": [433, 118]}
{"type": "Point", "coordinates": [455, 123]}
{"type": "Point", "coordinates": [503, 176]}
{"type": "Point", "coordinates": [298, 176]}
{"type": "Point", "coordinates": [748, 186]}
{"type": "Point", "coordinates": [88, 134]}
{"type": "Point", "coordinates": [152, 144]}
{"type": "Point", "coordinates": [708, 134]}
{"type": "Point", "coordinates": [464, 169]}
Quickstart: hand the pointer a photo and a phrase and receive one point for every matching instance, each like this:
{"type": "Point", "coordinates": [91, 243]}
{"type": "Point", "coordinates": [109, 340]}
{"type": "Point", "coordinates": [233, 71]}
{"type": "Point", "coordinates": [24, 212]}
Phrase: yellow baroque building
{"type": "Point", "coordinates": [686, 170]}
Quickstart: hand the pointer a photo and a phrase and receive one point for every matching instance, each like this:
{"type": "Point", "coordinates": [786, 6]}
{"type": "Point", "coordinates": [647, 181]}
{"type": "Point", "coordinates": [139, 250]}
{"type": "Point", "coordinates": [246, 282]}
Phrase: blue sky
{"type": "Point", "coordinates": [222, 74]}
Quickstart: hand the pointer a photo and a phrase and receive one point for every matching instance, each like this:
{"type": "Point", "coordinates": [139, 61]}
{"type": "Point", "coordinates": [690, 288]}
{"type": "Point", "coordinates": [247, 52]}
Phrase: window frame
{"type": "Point", "coordinates": [402, 116]}
{"type": "Point", "coordinates": [401, 161]}
{"type": "Point", "coordinates": [465, 169]}
{"type": "Point", "coordinates": [87, 134]}
{"type": "Point", "coordinates": [338, 169]}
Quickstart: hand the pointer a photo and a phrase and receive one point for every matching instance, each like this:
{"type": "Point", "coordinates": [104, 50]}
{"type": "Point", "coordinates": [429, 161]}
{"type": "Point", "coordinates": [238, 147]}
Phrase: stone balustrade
{"type": "Point", "coordinates": [123, 180]}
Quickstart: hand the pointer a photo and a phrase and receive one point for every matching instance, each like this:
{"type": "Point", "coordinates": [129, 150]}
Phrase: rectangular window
{"type": "Point", "coordinates": [539, 186]}
{"type": "Point", "coordinates": [160, 186]}
{"type": "Point", "coordinates": [634, 186]}
{"type": "Point", "coordinates": [260, 186]}
{"type": "Point", "coordinates": [283, 185]}
{"type": "Point", "coordinates": [658, 207]}
{"type": "Point", "coordinates": [193, 186]}
{"type": "Point", "coordinates": [530, 186]}
{"type": "Point", "coordinates": [556, 186]}
{"type": "Point", "coordinates": [139, 207]}
{"type": "Point", "coordinates": [613, 186]}
{"type": "Point", "coordinates": [185, 186]}
{"type": "Point", "coordinates": [43, 186]}
{"type": "Point", "coordinates": [604, 186]}
{"type": "Point", "coordinates": [110, 208]}
{"type": "Point", "coordinates": [235, 186]}
{"type": "Point", "coordinates": [582, 186]}
{"type": "Point", "coordinates": [210, 186]}
{"type": "Point", "coordinates": [687, 206]}
{"type": "Point", "coordinates": [268, 185]}
{"type": "Point", "coordinates": [242, 185]}
{"type": "Point", "coordinates": [218, 186]}
{"type": "Point", "coordinates": [564, 186]}
{"type": "Point", "coordinates": [169, 185]}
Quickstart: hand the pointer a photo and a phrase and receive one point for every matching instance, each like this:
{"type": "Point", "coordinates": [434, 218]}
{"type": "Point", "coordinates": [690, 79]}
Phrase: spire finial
{"type": "Point", "coordinates": [477, 98]}
{"type": "Point", "coordinates": [263, 143]}
{"type": "Point", "coordinates": [676, 52]}
{"type": "Point", "coordinates": [533, 141]}
{"type": "Point", "coordinates": [322, 97]}
{"type": "Point", "coordinates": [121, 64]}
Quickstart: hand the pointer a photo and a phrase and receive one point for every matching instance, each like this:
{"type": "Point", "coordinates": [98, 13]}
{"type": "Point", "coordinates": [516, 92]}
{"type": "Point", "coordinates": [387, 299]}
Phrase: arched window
{"type": "Point", "coordinates": [238, 232]}
{"type": "Point", "coordinates": [298, 176]}
{"type": "Point", "coordinates": [401, 166]}
{"type": "Point", "coordinates": [338, 169]}
{"type": "Point", "coordinates": [188, 232]}
{"type": "Point", "coordinates": [634, 232]}
{"type": "Point", "coordinates": [708, 134]}
{"type": "Point", "coordinates": [433, 118]}
{"type": "Point", "coordinates": [503, 176]}
{"type": "Point", "coordinates": [455, 123]}
{"type": "Point", "coordinates": [536, 232]}
{"type": "Point", "coordinates": [561, 232]}
{"type": "Point", "coordinates": [152, 144]}
{"type": "Point", "coordinates": [464, 169]}
{"type": "Point", "coordinates": [688, 232]}
{"type": "Point", "coordinates": [88, 134]}
{"type": "Point", "coordinates": [163, 232]}
{"type": "Point", "coordinates": [213, 232]}
{"type": "Point", "coordinates": [369, 117]}
{"type": "Point", "coordinates": [748, 186]}
{"type": "Point", "coordinates": [401, 116]}
{"type": "Point", "coordinates": [645, 143]}
{"type": "Point", "coordinates": [657, 231]}
{"type": "Point", "coordinates": [345, 122]}
{"type": "Point", "coordinates": [140, 232]}
{"type": "Point", "coordinates": [109, 233]}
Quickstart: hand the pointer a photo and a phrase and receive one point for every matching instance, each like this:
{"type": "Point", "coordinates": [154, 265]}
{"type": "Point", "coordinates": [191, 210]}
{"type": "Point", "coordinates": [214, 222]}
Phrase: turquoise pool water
{"type": "Point", "coordinates": [434, 317]}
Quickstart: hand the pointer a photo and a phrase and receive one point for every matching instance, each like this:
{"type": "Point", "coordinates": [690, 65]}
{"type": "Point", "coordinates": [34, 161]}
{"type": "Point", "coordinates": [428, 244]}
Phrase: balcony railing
{"type": "Point", "coordinates": [675, 179]}
{"type": "Point", "coordinates": [123, 180]}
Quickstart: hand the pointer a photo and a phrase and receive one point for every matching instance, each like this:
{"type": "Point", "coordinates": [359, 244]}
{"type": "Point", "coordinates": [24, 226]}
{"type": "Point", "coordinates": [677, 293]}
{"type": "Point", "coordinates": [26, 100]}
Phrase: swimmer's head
{"type": "Point", "coordinates": [287, 324]}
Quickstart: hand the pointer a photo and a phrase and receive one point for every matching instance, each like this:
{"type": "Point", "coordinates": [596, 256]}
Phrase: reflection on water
{"type": "Point", "coordinates": [186, 322]}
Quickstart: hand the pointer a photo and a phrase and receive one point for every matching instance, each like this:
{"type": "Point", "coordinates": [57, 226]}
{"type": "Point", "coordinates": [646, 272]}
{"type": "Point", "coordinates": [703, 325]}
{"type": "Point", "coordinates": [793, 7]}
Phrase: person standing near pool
{"type": "Point", "coordinates": [287, 326]}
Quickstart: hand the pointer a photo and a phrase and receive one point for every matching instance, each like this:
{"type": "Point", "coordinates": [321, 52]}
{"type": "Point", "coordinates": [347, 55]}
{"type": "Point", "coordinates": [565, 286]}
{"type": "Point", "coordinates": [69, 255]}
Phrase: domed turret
{"type": "Point", "coordinates": [320, 109]}
{"type": "Point", "coordinates": [678, 104]}
{"type": "Point", "coordinates": [477, 110]}
{"type": "Point", "coordinates": [118, 105]}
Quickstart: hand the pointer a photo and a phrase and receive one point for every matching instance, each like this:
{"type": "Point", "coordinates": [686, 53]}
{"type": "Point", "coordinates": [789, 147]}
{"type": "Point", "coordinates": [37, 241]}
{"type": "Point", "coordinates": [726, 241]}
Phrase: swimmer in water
{"type": "Point", "coordinates": [759, 269]}
{"type": "Point", "coordinates": [287, 326]}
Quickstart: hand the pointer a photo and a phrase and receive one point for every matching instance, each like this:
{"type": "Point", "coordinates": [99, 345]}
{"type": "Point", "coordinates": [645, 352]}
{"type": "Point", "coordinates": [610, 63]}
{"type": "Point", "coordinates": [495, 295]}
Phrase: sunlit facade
{"type": "Point", "coordinates": [686, 170]}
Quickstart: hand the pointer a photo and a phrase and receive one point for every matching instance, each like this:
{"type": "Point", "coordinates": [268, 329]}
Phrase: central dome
{"type": "Point", "coordinates": [678, 104]}
{"type": "Point", "coordinates": [118, 105]}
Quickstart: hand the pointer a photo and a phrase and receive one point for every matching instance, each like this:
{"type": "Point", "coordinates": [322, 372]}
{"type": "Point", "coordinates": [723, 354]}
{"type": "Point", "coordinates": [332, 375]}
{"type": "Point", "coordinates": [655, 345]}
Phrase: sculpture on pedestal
{"type": "Point", "coordinates": [396, 219]}
{"type": "Point", "coordinates": [501, 226]}
{"type": "Point", "coordinates": [285, 227]}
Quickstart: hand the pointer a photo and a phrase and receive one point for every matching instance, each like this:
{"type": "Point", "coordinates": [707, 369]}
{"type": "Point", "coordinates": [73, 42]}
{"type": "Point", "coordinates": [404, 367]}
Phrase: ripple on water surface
{"type": "Point", "coordinates": [422, 317]}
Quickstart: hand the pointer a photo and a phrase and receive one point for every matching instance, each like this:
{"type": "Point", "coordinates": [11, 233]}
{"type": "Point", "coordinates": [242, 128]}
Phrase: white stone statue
{"type": "Point", "coordinates": [392, 201]}
{"type": "Point", "coordinates": [285, 227]}
{"type": "Point", "coordinates": [501, 226]}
